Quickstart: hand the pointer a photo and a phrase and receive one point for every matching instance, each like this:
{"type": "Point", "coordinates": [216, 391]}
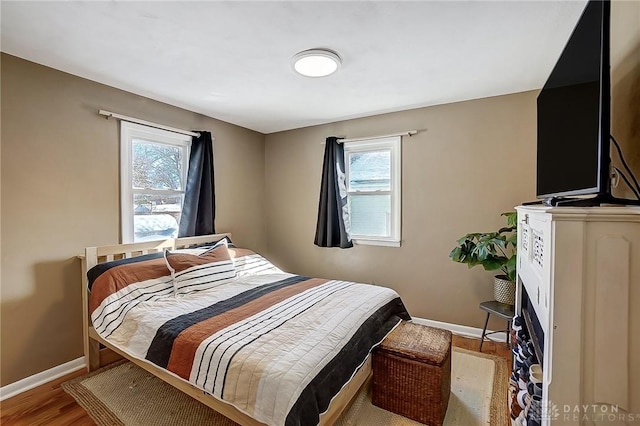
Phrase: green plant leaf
{"type": "Point", "coordinates": [511, 268]}
{"type": "Point", "coordinates": [492, 263]}
{"type": "Point", "coordinates": [512, 218]}
{"type": "Point", "coordinates": [456, 254]}
{"type": "Point", "coordinates": [472, 262]}
{"type": "Point", "coordinates": [462, 240]}
{"type": "Point", "coordinates": [492, 250]}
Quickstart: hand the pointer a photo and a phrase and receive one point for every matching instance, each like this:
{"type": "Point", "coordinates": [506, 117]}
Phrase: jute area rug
{"type": "Point", "coordinates": [127, 395]}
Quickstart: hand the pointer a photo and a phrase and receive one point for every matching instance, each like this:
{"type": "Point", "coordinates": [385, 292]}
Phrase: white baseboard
{"type": "Point", "coordinates": [462, 330]}
{"type": "Point", "coordinates": [69, 367]}
{"type": "Point", "coordinates": [41, 378]}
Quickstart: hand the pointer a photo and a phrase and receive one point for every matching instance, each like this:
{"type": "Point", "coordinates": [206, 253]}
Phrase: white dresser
{"type": "Point", "coordinates": [580, 268]}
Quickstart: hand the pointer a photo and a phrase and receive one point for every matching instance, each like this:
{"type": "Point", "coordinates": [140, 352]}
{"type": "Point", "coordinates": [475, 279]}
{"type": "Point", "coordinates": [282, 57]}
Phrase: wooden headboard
{"type": "Point", "coordinates": [95, 255]}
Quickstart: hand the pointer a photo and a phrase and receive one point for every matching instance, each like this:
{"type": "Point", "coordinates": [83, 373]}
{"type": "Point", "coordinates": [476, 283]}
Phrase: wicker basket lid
{"type": "Point", "coordinates": [418, 342]}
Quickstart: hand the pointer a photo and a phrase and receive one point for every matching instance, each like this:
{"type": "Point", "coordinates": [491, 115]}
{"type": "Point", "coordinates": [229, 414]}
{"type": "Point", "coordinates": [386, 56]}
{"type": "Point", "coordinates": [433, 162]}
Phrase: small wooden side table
{"type": "Point", "coordinates": [502, 310]}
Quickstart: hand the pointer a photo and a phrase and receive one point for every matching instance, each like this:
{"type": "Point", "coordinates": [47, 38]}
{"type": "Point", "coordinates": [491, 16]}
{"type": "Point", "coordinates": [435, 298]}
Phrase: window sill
{"type": "Point", "coordinates": [385, 243]}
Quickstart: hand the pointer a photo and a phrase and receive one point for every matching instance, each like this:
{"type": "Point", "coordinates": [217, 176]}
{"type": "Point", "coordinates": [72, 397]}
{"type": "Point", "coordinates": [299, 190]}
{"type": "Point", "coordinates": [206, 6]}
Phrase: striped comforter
{"type": "Point", "coordinates": [277, 346]}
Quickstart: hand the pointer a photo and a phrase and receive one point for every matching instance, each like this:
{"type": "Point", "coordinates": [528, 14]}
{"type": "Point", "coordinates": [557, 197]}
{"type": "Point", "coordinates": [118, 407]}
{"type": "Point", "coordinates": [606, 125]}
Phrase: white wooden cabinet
{"type": "Point", "coordinates": [581, 270]}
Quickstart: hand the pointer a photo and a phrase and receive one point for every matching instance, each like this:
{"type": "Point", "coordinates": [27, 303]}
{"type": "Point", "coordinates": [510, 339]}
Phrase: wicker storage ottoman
{"type": "Point", "coordinates": [412, 373]}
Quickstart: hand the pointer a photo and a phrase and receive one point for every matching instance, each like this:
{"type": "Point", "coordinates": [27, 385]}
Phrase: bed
{"type": "Point", "coordinates": [227, 327]}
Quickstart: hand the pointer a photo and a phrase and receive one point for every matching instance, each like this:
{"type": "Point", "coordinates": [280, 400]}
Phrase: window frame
{"type": "Point", "coordinates": [128, 132]}
{"type": "Point", "coordinates": [394, 145]}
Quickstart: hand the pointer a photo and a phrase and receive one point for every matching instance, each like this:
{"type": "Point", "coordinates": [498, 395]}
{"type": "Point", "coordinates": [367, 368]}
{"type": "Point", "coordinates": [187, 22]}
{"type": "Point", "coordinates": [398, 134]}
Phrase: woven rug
{"type": "Point", "coordinates": [124, 394]}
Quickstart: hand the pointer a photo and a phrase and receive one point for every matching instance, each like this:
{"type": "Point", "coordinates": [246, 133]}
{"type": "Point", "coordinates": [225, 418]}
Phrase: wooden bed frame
{"type": "Point", "coordinates": [92, 341]}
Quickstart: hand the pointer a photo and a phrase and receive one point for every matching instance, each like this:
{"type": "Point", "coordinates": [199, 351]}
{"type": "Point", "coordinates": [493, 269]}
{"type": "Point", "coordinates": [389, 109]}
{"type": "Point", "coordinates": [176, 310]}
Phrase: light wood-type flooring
{"type": "Point", "coordinates": [48, 404]}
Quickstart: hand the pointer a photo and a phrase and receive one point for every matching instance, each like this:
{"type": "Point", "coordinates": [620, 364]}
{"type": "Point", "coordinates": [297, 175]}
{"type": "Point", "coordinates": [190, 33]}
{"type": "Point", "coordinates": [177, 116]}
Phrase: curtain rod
{"type": "Point", "coordinates": [110, 114]}
{"type": "Point", "coordinates": [390, 135]}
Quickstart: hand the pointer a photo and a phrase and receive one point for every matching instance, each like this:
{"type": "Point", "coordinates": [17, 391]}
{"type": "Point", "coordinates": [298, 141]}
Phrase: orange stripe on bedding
{"type": "Point", "coordinates": [181, 261]}
{"type": "Point", "coordinates": [121, 276]}
{"type": "Point", "coordinates": [186, 344]}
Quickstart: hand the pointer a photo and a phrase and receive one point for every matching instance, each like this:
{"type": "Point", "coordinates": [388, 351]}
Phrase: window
{"type": "Point", "coordinates": [153, 175]}
{"type": "Point", "coordinates": [373, 190]}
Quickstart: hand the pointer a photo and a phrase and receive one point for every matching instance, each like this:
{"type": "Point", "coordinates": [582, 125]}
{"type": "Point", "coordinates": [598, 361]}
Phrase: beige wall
{"type": "Point", "coordinates": [625, 126]}
{"type": "Point", "coordinates": [60, 193]}
{"type": "Point", "coordinates": [625, 86]}
{"type": "Point", "coordinates": [470, 162]}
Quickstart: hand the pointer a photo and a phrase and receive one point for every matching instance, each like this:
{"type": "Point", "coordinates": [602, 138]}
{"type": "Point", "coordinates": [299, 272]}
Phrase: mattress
{"type": "Point", "coordinates": [277, 346]}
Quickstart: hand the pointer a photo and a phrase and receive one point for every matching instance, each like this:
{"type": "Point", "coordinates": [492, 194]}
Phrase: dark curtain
{"type": "Point", "coordinates": [333, 225]}
{"type": "Point", "coordinates": [199, 209]}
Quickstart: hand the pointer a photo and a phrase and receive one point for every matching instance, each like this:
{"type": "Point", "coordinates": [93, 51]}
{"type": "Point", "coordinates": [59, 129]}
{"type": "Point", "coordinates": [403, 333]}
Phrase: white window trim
{"type": "Point", "coordinates": [394, 144]}
{"type": "Point", "coordinates": [129, 132]}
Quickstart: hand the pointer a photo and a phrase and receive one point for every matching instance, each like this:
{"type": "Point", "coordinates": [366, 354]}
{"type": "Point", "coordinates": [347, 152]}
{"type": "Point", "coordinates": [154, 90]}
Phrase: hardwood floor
{"type": "Point", "coordinates": [49, 405]}
{"type": "Point", "coordinates": [488, 347]}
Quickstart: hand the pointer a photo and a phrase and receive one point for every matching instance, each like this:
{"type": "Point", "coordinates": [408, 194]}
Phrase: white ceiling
{"type": "Point", "coordinates": [231, 59]}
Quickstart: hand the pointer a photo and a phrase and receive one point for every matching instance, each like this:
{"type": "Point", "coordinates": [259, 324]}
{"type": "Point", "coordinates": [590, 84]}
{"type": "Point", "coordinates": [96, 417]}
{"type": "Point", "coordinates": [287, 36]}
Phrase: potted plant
{"type": "Point", "coordinates": [494, 251]}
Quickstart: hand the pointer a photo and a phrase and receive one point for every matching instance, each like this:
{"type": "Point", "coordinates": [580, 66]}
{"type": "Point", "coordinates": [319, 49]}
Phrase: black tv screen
{"type": "Point", "coordinates": [574, 112]}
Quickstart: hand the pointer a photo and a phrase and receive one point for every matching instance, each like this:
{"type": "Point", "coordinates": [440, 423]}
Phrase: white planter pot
{"type": "Point", "coordinates": [504, 291]}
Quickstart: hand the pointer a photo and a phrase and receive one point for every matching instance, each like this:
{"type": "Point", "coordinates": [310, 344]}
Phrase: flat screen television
{"type": "Point", "coordinates": [573, 156]}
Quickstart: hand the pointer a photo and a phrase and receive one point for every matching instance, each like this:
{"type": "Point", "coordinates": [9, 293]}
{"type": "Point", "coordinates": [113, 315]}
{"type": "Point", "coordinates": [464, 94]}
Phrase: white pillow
{"type": "Point", "coordinates": [249, 263]}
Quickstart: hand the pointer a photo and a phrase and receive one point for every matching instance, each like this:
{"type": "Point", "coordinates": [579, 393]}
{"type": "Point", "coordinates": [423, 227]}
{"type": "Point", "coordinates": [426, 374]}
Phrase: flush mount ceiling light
{"type": "Point", "coordinates": [316, 62]}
